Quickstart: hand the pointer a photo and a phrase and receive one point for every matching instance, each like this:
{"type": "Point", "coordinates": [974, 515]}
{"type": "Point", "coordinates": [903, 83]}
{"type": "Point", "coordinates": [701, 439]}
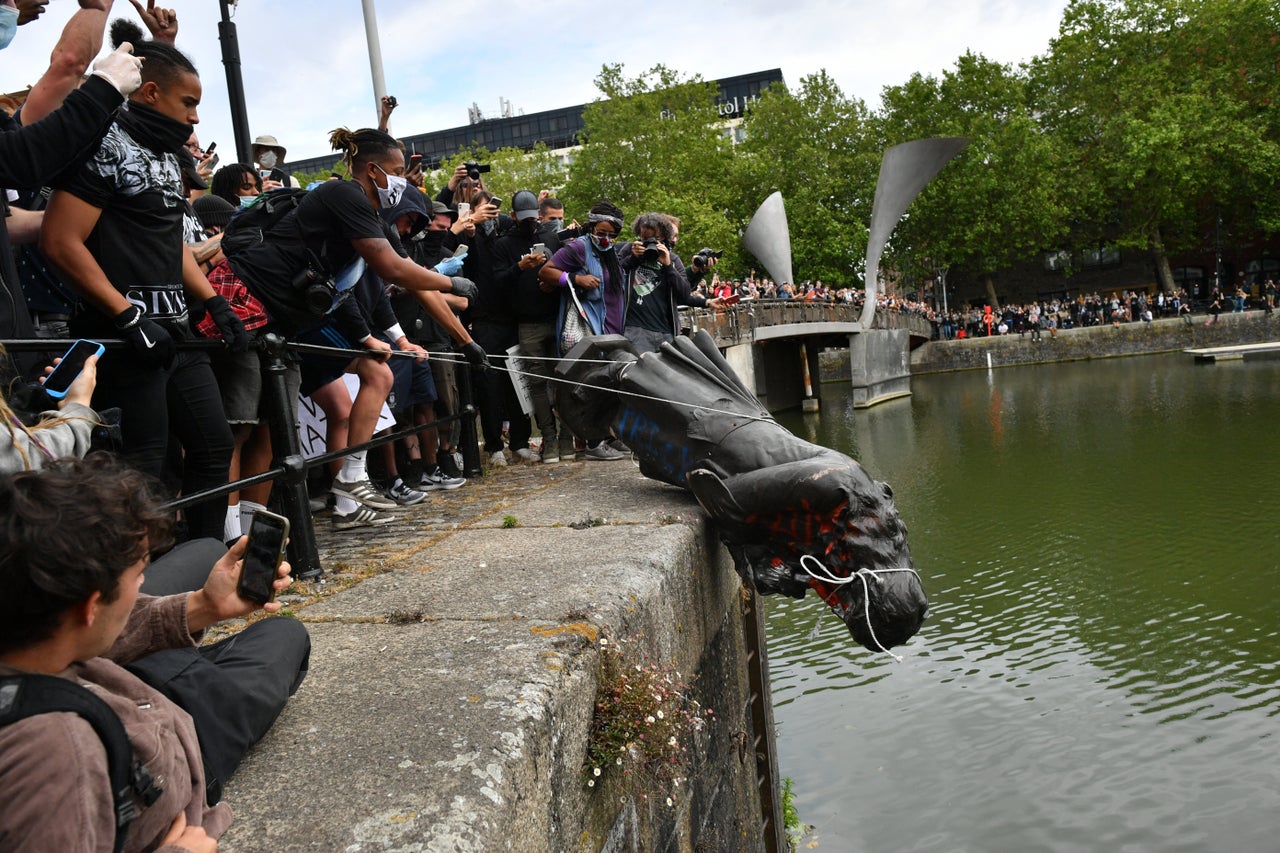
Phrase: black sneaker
{"type": "Point", "coordinates": [448, 465]}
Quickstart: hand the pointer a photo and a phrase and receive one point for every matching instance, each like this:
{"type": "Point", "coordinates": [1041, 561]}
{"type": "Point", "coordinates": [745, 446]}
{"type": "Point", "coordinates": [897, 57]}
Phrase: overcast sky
{"type": "Point", "coordinates": [306, 62]}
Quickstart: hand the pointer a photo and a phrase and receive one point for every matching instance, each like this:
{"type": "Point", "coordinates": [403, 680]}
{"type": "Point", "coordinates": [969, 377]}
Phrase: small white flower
{"type": "Point", "coordinates": [649, 719]}
{"type": "Point", "coordinates": [591, 783]}
{"type": "Point", "coordinates": [619, 761]}
{"type": "Point", "coordinates": [671, 741]}
{"type": "Point", "coordinates": [603, 641]}
{"type": "Point", "coordinates": [668, 801]}
{"type": "Point", "coordinates": [595, 771]}
{"type": "Point", "coordinates": [659, 715]}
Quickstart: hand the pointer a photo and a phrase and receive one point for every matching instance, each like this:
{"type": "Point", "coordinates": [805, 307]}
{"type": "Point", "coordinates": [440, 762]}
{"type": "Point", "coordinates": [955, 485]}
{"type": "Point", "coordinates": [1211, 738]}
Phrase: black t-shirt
{"type": "Point", "coordinates": [138, 238]}
{"type": "Point", "coordinates": [650, 306]}
{"type": "Point", "coordinates": [323, 225]}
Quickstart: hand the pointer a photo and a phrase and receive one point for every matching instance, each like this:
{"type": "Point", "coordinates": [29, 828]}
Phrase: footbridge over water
{"type": "Point", "coordinates": [773, 344]}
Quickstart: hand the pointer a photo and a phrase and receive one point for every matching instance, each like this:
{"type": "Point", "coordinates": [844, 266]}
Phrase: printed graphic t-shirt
{"type": "Point", "coordinates": [138, 238]}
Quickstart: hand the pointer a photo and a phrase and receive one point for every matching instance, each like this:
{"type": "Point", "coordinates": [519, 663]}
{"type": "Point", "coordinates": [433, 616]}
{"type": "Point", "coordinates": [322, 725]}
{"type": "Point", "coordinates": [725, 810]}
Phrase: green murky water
{"type": "Point", "coordinates": [1100, 669]}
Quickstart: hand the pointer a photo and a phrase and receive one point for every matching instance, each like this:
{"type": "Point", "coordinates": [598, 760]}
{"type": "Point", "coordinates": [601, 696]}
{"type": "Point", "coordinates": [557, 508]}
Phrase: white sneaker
{"type": "Point", "coordinates": [362, 516]}
{"type": "Point", "coordinates": [524, 454]}
{"type": "Point", "coordinates": [497, 459]}
{"type": "Point", "coordinates": [404, 494]}
{"type": "Point", "coordinates": [362, 492]}
{"type": "Point", "coordinates": [440, 480]}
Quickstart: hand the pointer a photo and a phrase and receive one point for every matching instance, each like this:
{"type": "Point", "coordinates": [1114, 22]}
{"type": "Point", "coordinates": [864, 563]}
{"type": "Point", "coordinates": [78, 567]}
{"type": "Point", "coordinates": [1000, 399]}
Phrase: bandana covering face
{"type": "Point", "coordinates": [603, 242]}
{"type": "Point", "coordinates": [153, 129]}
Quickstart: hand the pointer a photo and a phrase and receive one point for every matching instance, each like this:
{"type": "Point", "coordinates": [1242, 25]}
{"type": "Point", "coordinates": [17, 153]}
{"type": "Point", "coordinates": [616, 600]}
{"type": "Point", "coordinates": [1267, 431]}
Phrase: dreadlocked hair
{"type": "Point", "coordinates": [365, 145]}
{"type": "Point", "coordinates": [164, 62]}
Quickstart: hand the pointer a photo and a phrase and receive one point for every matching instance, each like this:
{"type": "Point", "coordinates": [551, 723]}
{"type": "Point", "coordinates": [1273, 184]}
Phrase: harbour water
{"type": "Point", "coordinates": [1100, 669]}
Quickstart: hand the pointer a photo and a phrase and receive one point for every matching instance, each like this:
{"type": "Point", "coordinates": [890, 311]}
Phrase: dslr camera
{"type": "Point", "coordinates": [474, 170]}
{"type": "Point", "coordinates": [650, 250]}
{"type": "Point", "coordinates": [319, 290]}
{"type": "Point", "coordinates": [705, 256]}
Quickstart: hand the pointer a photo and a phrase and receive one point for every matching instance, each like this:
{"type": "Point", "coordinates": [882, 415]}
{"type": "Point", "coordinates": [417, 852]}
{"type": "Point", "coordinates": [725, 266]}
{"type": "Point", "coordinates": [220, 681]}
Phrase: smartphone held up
{"type": "Point", "coordinates": [268, 534]}
{"type": "Point", "coordinates": [58, 383]}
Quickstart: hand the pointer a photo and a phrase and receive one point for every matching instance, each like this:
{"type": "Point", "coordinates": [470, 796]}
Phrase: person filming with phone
{"type": "Point", "coordinates": [71, 613]}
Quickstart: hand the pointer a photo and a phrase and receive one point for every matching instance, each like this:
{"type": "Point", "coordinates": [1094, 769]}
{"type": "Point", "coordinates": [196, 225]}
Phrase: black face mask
{"type": "Point", "coordinates": [528, 227]}
{"type": "Point", "coordinates": [153, 129]}
{"type": "Point", "coordinates": [433, 240]}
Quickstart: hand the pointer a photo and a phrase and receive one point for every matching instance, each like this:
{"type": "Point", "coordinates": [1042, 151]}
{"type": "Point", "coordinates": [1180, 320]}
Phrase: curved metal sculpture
{"type": "Point", "coordinates": [769, 239]}
{"type": "Point", "coordinates": [780, 503]}
{"type": "Point", "coordinates": [904, 171]}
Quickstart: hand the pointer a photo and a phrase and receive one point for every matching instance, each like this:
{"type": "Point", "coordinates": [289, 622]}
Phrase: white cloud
{"type": "Point", "coordinates": [306, 68]}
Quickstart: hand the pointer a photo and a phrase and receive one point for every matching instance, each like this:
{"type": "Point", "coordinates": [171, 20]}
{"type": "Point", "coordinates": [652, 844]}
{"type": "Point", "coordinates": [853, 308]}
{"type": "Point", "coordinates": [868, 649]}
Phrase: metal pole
{"type": "Point", "coordinates": [375, 56]}
{"type": "Point", "coordinates": [287, 452]}
{"type": "Point", "coordinates": [235, 85]}
{"type": "Point", "coordinates": [467, 433]}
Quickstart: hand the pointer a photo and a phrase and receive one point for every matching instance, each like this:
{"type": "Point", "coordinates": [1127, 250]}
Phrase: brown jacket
{"type": "Point", "coordinates": [53, 768]}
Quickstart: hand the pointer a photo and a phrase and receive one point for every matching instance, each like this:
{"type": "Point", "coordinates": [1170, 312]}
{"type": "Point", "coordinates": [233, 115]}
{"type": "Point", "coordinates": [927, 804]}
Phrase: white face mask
{"type": "Point", "coordinates": [394, 191]}
{"type": "Point", "coordinates": [267, 160]}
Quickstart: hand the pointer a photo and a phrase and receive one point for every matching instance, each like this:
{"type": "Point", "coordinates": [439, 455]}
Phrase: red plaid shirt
{"type": "Point", "coordinates": [247, 307]}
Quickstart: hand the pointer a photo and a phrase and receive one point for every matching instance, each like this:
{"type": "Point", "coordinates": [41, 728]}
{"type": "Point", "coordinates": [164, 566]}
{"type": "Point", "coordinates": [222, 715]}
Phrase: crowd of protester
{"type": "Point", "coordinates": [118, 224]}
{"type": "Point", "coordinates": [1035, 317]}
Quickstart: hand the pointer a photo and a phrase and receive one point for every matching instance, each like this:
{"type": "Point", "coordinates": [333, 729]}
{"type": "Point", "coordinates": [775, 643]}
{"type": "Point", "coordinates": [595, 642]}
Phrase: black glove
{"type": "Point", "coordinates": [150, 342]}
{"type": "Point", "coordinates": [475, 354]}
{"type": "Point", "coordinates": [464, 287]}
{"type": "Point", "coordinates": [233, 331]}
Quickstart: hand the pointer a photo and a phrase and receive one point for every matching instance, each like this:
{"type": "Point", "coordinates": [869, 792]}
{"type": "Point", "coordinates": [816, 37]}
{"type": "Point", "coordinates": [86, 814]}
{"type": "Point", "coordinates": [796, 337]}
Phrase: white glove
{"type": "Point", "coordinates": [121, 69]}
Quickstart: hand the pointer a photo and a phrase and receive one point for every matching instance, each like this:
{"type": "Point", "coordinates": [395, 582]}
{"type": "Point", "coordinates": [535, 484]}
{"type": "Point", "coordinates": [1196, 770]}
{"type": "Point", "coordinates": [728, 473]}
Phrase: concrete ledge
{"type": "Point", "coordinates": [450, 697]}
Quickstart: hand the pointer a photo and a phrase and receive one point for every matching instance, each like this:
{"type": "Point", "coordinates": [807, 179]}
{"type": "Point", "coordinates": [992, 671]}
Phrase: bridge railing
{"type": "Point", "coordinates": [738, 324]}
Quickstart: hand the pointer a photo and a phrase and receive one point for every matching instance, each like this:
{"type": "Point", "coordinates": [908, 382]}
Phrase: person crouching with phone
{"type": "Point", "coordinates": [70, 608]}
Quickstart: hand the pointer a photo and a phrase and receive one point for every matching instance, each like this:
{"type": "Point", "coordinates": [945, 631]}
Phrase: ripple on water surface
{"type": "Point", "coordinates": [1099, 666]}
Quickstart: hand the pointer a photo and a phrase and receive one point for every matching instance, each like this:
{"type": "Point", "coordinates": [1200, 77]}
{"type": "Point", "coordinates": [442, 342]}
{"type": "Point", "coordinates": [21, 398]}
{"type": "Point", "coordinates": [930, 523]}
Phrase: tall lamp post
{"type": "Point", "coordinates": [235, 84]}
{"type": "Point", "coordinates": [375, 56]}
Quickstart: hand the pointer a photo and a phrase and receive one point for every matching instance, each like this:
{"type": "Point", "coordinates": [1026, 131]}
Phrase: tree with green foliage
{"type": "Point", "coordinates": [814, 147]}
{"type": "Point", "coordinates": [1170, 107]}
{"type": "Point", "coordinates": [657, 142]}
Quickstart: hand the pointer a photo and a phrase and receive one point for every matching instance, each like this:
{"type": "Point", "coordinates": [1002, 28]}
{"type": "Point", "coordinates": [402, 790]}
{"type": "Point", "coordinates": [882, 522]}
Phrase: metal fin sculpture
{"type": "Point", "coordinates": [769, 239]}
{"type": "Point", "coordinates": [775, 498]}
{"type": "Point", "coordinates": [904, 171]}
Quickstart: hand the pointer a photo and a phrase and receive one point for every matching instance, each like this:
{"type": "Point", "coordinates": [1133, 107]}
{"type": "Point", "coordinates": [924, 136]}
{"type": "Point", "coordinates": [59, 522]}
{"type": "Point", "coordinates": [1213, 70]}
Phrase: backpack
{"type": "Point", "coordinates": [23, 696]}
{"type": "Point", "coordinates": [247, 227]}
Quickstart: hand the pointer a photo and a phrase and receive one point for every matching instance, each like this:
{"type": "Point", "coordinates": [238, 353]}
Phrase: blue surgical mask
{"type": "Point", "coordinates": [8, 25]}
{"type": "Point", "coordinates": [247, 200]}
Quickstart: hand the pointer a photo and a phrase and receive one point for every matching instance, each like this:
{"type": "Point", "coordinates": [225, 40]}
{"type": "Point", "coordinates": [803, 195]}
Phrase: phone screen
{"type": "Point", "coordinates": [495, 201]}
{"type": "Point", "coordinates": [267, 536]}
{"type": "Point", "coordinates": [57, 384]}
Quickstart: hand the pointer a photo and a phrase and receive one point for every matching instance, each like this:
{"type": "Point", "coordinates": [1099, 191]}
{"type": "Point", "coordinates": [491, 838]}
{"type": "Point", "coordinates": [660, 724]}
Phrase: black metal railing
{"type": "Point", "coordinates": [289, 467]}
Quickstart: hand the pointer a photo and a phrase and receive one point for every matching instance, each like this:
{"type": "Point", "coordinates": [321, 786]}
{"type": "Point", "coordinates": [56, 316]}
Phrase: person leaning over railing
{"type": "Point", "coordinates": [114, 228]}
{"type": "Point", "coordinates": [302, 269]}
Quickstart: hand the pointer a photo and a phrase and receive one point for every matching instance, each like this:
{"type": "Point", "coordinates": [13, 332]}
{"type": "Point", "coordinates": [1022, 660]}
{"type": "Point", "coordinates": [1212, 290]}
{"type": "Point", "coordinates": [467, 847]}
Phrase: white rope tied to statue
{"type": "Point", "coordinates": [824, 574]}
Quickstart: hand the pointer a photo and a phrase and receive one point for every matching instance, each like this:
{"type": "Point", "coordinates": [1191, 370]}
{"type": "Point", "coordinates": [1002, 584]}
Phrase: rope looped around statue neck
{"type": "Point", "coordinates": [824, 574]}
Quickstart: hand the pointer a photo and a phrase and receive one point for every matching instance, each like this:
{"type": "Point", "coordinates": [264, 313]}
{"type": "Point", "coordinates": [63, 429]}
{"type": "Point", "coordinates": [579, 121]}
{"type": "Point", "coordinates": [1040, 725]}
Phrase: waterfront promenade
{"type": "Point", "coordinates": [455, 667]}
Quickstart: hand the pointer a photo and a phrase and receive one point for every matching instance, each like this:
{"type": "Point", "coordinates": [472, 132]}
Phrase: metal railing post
{"type": "Point", "coordinates": [466, 406]}
{"type": "Point", "coordinates": [286, 452]}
